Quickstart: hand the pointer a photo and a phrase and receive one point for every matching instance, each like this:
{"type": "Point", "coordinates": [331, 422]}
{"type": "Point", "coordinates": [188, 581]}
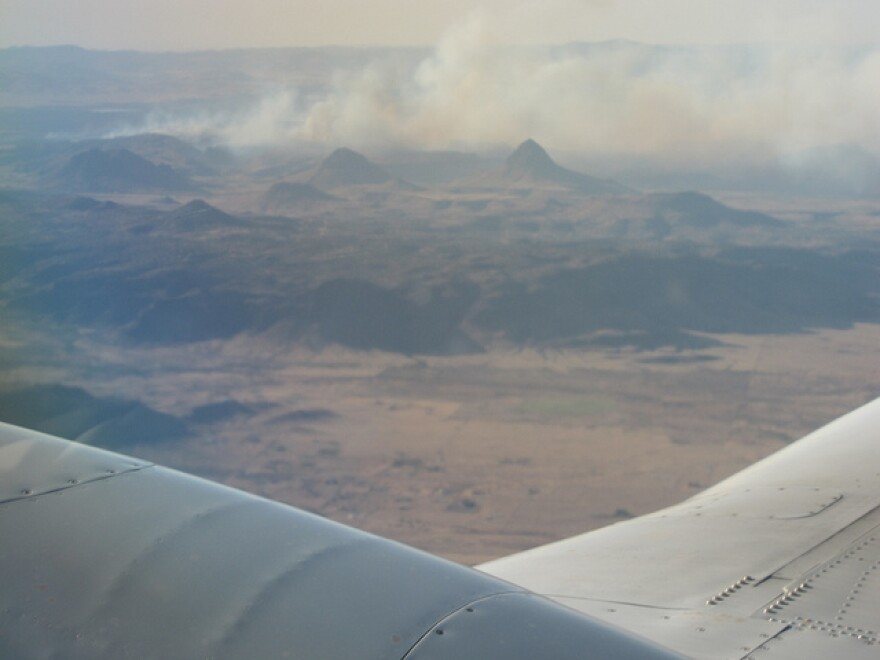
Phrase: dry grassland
{"type": "Point", "coordinates": [476, 457]}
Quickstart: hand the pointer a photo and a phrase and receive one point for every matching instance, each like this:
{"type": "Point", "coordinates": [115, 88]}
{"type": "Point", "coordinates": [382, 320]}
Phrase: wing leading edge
{"type": "Point", "coordinates": [102, 556]}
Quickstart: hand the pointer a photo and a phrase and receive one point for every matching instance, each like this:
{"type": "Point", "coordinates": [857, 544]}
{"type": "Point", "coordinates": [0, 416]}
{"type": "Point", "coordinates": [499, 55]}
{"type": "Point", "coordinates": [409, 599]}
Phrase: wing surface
{"type": "Point", "coordinates": [104, 556]}
{"type": "Point", "coordinates": [781, 560]}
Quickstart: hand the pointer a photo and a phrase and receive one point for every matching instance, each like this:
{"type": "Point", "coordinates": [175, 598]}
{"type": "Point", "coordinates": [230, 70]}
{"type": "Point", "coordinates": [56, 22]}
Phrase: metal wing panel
{"type": "Point", "coordinates": [522, 626]}
{"type": "Point", "coordinates": [725, 556]}
{"type": "Point", "coordinates": [30, 468]}
{"type": "Point", "coordinates": [681, 556]}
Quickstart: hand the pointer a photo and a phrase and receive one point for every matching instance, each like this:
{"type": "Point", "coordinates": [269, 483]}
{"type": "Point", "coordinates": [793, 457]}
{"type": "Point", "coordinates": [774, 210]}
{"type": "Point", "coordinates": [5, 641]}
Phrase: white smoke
{"type": "Point", "coordinates": [732, 104]}
{"type": "Point", "coordinates": [619, 98]}
{"type": "Point", "coordinates": [275, 119]}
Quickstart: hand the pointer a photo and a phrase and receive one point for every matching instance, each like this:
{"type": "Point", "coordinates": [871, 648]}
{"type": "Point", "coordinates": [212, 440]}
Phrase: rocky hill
{"type": "Point", "coordinates": [530, 166]}
{"type": "Point", "coordinates": [73, 413]}
{"type": "Point", "coordinates": [119, 171]}
{"type": "Point", "coordinates": [345, 167]}
{"type": "Point", "coordinates": [198, 215]}
{"type": "Point", "coordinates": [699, 210]}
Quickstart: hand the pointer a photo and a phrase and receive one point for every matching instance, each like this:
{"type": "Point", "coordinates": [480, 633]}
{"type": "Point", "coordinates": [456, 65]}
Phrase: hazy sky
{"type": "Point", "coordinates": [205, 24]}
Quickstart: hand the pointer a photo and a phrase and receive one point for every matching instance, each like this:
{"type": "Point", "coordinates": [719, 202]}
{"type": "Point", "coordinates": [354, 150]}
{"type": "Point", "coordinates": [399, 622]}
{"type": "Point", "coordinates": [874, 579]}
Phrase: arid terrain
{"type": "Point", "coordinates": [477, 457]}
{"type": "Point", "coordinates": [473, 353]}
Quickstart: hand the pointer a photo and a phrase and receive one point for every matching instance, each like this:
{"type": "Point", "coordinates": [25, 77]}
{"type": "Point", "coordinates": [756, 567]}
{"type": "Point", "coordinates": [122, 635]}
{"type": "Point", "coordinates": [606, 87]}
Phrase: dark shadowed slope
{"type": "Point", "coordinates": [198, 215]}
{"type": "Point", "coordinates": [698, 210]}
{"type": "Point", "coordinates": [360, 314]}
{"type": "Point", "coordinates": [285, 194]}
{"type": "Point", "coordinates": [73, 413]}
{"type": "Point", "coordinates": [174, 152]}
{"type": "Point", "coordinates": [119, 170]}
{"type": "Point", "coordinates": [650, 297]}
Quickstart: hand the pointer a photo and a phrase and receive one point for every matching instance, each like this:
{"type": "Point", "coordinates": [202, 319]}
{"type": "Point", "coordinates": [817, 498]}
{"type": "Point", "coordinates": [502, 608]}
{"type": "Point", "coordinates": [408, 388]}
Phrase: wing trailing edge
{"type": "Point", "coordinates": [779, 558]}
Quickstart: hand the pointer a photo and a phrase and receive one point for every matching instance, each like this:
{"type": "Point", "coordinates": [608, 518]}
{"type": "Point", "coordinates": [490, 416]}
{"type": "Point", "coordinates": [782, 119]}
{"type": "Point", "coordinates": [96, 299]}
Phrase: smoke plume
{"type": "Point", "coordinates": [709, 105]}
{"type": "Point", "coordinates": [689, 102]}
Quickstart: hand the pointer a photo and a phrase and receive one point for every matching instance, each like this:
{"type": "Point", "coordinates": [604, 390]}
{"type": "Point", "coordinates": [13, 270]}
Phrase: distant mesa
{"type": "Point", "coordinates": [345, 167]}
{"type": "Point", "coordinates": [202, 313]}
{"type": "Point", "coordinates": [198, 215]}
{"type": "Point", "coordinates": [223, 411]}
{"type": "Point", "coordinates": [679, 359]}
{"type": "Point", "coordinates": [119, 171]}
{"type": "Point", "coordinates": [285, 194]}
{"type": "Point", "coordinates": [530, 166]}
{"type": "Point", "coordinates": [174, 152]}
{"type": "Point", "coordinates": [73, 413]}
{"type": "Point", "coordinates": [365, 316]}
{"type": "Point", "coordinates": [84, 204]}
{"type": "Point", "coordinates": [699, 210]}
{"type": "Point", "coordinates": [651, 300]}
{"type": "Point", "coordinates": [88, 204]}
{"type": "Point", "coordinates": [306, 415]}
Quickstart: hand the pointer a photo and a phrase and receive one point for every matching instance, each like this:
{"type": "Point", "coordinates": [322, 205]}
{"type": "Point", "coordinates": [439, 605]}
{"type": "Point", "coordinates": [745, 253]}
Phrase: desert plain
{"type": "Point", "coordinates": [470, 352]}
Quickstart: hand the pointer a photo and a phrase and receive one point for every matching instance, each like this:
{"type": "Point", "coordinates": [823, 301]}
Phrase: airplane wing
{"type": "Point", "coordinates": [781, 560]}
{"type": "Point", "coordinates": [102, 555]}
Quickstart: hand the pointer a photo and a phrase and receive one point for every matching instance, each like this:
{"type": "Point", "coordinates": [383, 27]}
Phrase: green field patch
{"type": "Point", "coordinates": [554, 407]}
